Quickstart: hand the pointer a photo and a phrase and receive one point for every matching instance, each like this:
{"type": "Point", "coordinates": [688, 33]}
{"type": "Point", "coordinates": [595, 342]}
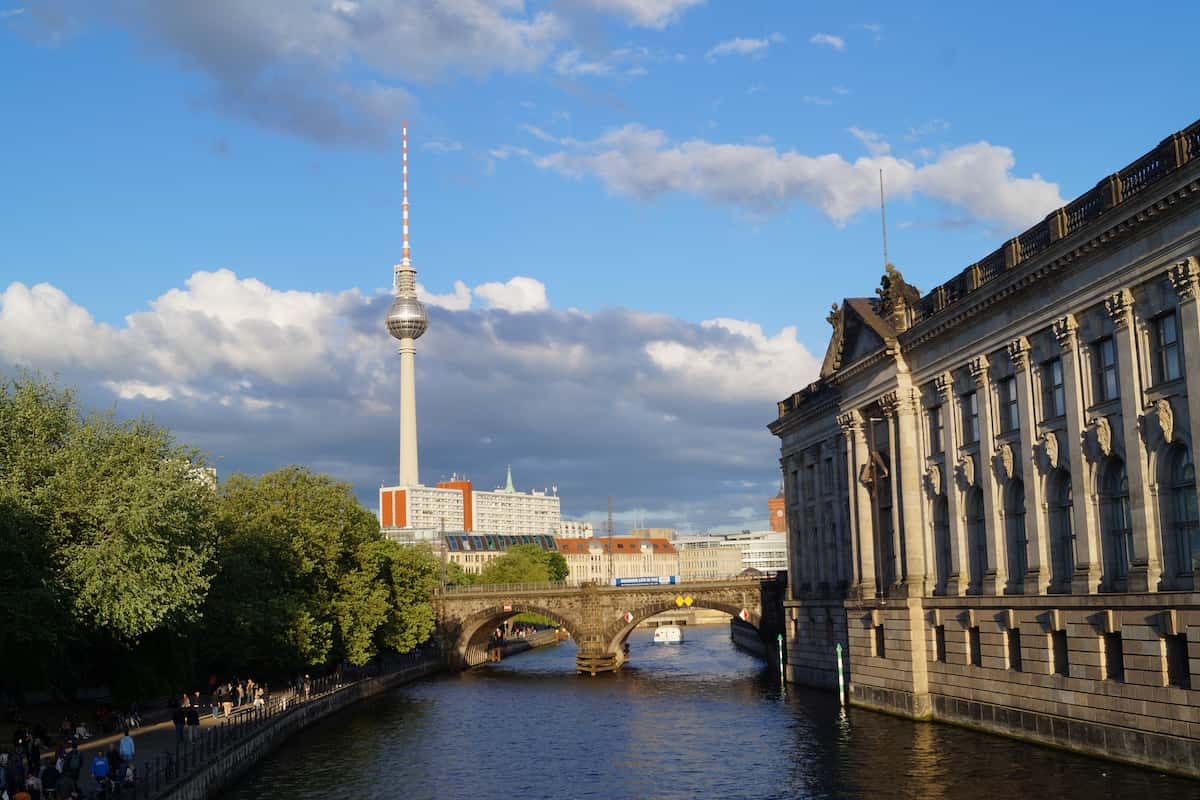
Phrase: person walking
{"type": "Point", "coordinates": [179, 717]}
{"type": "Point", "coordinates": [193, 723]}
{"type": "Point", "coordinates": [126, 747]}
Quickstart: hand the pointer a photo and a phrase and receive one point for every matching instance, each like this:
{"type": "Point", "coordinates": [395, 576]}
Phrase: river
{"type": "Point", "coordinates": [701, 720]}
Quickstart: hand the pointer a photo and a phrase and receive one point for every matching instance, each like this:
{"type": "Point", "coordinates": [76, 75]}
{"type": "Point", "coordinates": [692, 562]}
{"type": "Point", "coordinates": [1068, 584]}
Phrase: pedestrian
{"type": "Point", "coordinates": [193, 723]}
{"type": "Point", "coordinates": [99, 768]}
{"type": "Point", "coordinates": [126, 748]}
{"type": "Point", "coordinates": [178, 716]}
{"type": "Point", "coordinates": [218, 694]}
{"type": "Point", "coordinates": [49, 778]}
{"type": "Point", "coordinates": [74, 763]}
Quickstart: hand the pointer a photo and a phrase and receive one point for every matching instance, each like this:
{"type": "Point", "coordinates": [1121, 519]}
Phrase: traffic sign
{"type": "Point", "coordinates": [687, 601]}
{"type": "Point", "coordinates": [508, 606]}
{"type": "Point", "coordinates": [628, 617]}
{"type": "Point", "coordinates": [679, 601]}
{"type": "Point", "coordinates": [745, 615]}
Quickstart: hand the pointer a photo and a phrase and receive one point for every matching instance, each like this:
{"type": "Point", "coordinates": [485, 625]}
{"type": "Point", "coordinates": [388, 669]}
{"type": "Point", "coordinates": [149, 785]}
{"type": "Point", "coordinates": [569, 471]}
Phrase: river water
{"type": "Point", "coordinates": [701, 720]}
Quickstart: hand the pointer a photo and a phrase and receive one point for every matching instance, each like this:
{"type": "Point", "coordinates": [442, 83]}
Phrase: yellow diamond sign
{"type": "Point", "coordinates": [679, 601]}
{"type": "Point", "coordinates": [687, 601]}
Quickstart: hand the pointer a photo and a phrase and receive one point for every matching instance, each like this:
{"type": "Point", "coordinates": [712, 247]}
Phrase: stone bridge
{"type": "Point", "coordinates": [599, 618]}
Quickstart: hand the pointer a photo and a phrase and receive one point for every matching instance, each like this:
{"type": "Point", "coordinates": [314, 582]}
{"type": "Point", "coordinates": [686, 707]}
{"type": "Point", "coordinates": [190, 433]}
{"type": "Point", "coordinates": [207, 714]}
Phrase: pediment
{"type": "Point", "coordinates": [857, 332]}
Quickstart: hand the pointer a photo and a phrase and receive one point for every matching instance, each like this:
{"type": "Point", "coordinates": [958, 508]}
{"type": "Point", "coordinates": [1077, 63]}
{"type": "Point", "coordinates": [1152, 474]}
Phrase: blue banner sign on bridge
{"type": "Point", "coordinates": [650, 580]}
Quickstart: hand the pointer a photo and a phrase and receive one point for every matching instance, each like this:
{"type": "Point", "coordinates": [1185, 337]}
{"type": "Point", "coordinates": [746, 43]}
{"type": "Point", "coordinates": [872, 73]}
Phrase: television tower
{"type": "Point", "coordinates": [406, 321]}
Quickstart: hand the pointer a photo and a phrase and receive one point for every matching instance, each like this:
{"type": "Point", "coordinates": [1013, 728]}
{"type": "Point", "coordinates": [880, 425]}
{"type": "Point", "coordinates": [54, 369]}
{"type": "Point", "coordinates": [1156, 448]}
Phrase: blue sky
{"type": "Point", "coordinates": [654, 164]}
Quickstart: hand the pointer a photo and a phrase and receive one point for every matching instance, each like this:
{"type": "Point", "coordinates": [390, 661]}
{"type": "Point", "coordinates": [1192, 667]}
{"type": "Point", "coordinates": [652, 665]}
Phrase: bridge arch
{"type": "Point", "coordinates": [616, 632]}
{"type": "Point", "coordinates": [469, 642]}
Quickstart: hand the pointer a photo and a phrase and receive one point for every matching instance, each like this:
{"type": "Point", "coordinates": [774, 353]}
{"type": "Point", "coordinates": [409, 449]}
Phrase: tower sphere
{"type": "Point", "coordinates": [406, 318]}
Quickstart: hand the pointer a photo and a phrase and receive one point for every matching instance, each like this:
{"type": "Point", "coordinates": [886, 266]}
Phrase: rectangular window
{"type": "Point", "coordinates": [1105, 353]}
{"type": "Point", "coordinates": [973, 648]}
{"type": "Point", "coordinates": [827, 476]}
{"type": "Point", "coordinates": [939, 643]}
{"type": "Point", "coordinates": [1055, 397]}
{"type": "Point", "coordinates": [1010, 417]}
{"type": "Point", "coordinates": [1114, 657]}
{"type": "Point", "coordinates": [970, 409]}
{"type": "Point", "coordinates": [1014, 649]}
{"type": "Point", "coordinates": [880, 651]}
{"type": "Point", "coordinates": [937, 433]}
{"type": "Point", "coordinates": [1166, 334]}
{"type": "Point", "coordinates": [1179, 671]}
{"type": "Point", "coordinates": [1058, 651]}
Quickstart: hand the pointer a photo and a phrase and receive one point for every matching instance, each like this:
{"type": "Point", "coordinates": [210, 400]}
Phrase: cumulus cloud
{"type": "Point", "coordinates": [743, 47]}
{"type": "Point", "coordinates": [664, 414]}
{"type": "Point", "coordinates": [518, 295]}
{"type": "Point", "coordinates": [458, 300]}
{"type": "Point", "coordinates": [828, 40]}
{"type": "Point", "coordinates": [644, 163]}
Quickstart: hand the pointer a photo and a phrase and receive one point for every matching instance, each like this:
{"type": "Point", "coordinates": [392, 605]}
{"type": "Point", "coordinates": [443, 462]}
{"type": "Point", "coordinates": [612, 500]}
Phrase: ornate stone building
{"type": "Point", "coordinates": [990, 489]}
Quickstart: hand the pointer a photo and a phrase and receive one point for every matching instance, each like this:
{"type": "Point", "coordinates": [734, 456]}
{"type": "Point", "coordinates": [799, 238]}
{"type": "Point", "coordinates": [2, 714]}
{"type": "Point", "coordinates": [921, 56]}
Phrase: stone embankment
{"type": "Point", "coordinates": [205, 780]}
{"type": "Point", "coordinates": [540, 639]}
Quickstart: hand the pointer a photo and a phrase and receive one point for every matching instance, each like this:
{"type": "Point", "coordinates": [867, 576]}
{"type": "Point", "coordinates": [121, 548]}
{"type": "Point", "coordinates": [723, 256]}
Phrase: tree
{"type": "Point", "coordinates": [523, 563]}
{"type": "Point", "coordinates": [457, 576]}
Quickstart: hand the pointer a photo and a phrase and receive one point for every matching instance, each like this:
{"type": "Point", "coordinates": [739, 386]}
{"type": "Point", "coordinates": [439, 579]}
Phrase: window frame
{"type": "Point", "coordinates": [1107, 383]}
{"type": "Point", "coordinates": [1167, 355]}
{"type": "Point", "coordinates": [970, 417]}
{"type": "Point", "coordinates": [1054, 396]}
{"type": "Point", "coordinates": [1010, 409]}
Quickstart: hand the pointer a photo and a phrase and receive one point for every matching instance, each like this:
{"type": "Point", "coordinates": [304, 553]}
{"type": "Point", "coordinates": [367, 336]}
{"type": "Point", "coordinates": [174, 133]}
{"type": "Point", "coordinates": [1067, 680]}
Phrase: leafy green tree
{"type": "Point", "coordinates": [457, 576]}
{"type": "Point", "coordinates": [556, 565]}
{"type": "Point", "coordinates": [520, 564]}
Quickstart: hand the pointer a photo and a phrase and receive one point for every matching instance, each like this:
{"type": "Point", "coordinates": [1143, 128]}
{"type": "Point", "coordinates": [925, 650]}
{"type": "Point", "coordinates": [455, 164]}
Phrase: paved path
{"type": "Point", "coordinates": [150, 741]}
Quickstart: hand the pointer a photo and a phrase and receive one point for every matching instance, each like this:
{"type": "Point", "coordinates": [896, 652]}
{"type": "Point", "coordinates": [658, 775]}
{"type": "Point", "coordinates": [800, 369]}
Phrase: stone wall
{"type": "Point", "coordinates": [1115, 701]}
{"type": "Point", "coordinates": [236, 760]}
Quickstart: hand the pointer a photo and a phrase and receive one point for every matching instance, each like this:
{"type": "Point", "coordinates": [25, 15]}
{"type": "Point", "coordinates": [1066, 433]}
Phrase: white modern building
{"type": "Point", "coordinates": [574, 529]}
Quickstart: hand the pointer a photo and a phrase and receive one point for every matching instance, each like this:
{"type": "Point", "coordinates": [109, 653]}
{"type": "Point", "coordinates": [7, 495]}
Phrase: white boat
{"type": "Point", "coordinates": [668, 634]}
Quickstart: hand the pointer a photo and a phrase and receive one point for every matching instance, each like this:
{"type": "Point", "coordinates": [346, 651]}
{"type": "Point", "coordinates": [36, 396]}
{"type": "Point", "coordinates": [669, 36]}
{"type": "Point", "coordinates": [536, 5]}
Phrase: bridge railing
{"type": "Point", "coordinates": [489, 588]}
{"type": "Point", "coordinates": [494, 588]}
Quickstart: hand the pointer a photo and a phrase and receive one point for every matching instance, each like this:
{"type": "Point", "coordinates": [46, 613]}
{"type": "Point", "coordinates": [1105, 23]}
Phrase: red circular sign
{"type": "Point", "coordinates": [745, 615]}
{"type": "Point", "coordinates": [628, 617]}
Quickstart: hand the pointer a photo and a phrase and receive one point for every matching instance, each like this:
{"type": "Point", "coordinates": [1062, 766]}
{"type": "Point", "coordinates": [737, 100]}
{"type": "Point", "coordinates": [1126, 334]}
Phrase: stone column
{"type": "Point", "coordinates": [1087, 541]}
{"type": "Point", "coordinates": [862, 531]}
{"type": "Point", "coordinates": [1037, 579]}
{"type": "Point", "coordinates": [996, 571]}
{"type": "Point", "coordinates": [791, 523]}
{"type": "Point", "coordinates": [1186, 277]}
{"type": "Point", "coordinates": [956, 582]}
{"type": "Point", "coordinates": [906, 488]}
{"type": "Point", "coordinates": [1145, 562]}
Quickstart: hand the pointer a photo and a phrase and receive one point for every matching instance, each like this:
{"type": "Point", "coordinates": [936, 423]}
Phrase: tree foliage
{"type": "Point", "coordinates": [525, 563]}
{"type": "Point", "coordinates": [120, 558]}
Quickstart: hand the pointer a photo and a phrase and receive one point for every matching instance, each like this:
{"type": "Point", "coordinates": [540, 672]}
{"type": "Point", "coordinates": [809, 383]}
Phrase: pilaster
{"type": "Point", "coordinates": [996, 570]}
{"type": "Point", "coordinates": [1086, 579]}
{"type": "Point", "coordinates": [863, 523]}
{"type": "Point", "coordinates": [1185, 276]}
{"type": "Point", "coordinates": [1037, 552]}
{"type": "Point", "coordinates": [1145, 562]}
{"type": "Point", "coordinates": [906, 488]}
{"type": "Point", "coordinates": [956, 581]}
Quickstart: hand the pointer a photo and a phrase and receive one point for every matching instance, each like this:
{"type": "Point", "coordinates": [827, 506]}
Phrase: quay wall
{"type": "Point", "coordinates": [235, 761]}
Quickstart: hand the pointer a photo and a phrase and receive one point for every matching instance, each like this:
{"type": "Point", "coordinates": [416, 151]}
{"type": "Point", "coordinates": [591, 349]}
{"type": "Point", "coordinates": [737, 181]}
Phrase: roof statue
{"type": "Point", "coordinates": [896, 297]}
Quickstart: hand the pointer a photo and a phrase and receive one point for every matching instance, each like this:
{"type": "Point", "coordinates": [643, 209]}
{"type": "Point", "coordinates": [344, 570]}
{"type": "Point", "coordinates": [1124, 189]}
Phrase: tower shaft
{"type": "Point", "coordinates": [409, 475]}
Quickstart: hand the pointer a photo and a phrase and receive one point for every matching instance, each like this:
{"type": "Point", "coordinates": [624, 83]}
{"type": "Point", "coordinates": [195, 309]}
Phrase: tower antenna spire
{"type": "Point", "coordinates": [882, 219]}
{"type": "Point", "coordinates": [404, 256]}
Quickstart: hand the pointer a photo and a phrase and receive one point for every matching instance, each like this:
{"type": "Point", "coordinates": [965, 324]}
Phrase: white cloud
{"type": "Point", "coordinates": [743, 47]}
{"type": "Point", "coordinates": [624, 62]}
{"type": "Point", "coordinates": [840, 90]}
{"type": "Point", "coordinates": [8, 13]}
{"type": "Point", "coordinates": [442, 146]}
{"type": "Point", "coordinates": [828, 40]}
{"type": "Point", "coordinates": [816, 100]}
{"type": "Point", "coordinates": [643, 13]}
{"type": "Point", "coordinates": [743, 365]}
{"type": "Point", "coordinates": [340, 72]}
{"type": "Point", "coordinates": [518, 295]}
{"type": "Point", "coordinates": [644, 163]}
{"type": "Point", "coordinates": [573, 64]}
{"type": "Point", "coordinates": [538, 133]}
{"type": "Point", "coordinates": [458, 300]}
{"type": "Point", "coordinates": [873, 141]}
{"type": "Point", "coordinates": [260, 377]}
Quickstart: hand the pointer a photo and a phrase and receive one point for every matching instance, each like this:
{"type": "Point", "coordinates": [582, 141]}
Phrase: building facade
{"type": "Point", "coordinates": [423, 511]}
{"type": "Point", "coordinates": [777, 509]}
{"type": "Point", "coordinates": [990, 489]}
{"type": "Point", "coordinates": [602, 559]}
{"type": "Point", "coordinates": [707, 558]}
{"type": "Point", "coordinates": [473, 551]}
{"type": "Point", "coordinates": [574, 529]}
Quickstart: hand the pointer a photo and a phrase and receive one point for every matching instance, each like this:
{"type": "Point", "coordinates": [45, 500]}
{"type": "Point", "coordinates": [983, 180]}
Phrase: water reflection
{"type": "Point", "coordinates": [702, 720]}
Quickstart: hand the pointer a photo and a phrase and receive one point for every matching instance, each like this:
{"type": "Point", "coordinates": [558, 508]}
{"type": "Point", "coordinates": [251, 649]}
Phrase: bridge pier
{"type": "Point", "coordinates": [594, 663]}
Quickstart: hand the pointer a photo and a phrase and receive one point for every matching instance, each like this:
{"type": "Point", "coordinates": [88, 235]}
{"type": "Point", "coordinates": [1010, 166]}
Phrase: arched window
{"type": "Point", "coordinates": [1116, 524]}
{"type": "Point", "coordinates": [1183, 548]}
{"type": "Point", "coordinates": [1014, 530]}
{"type": "Point", "coordinates": [976, 539]}
{"type": "Point", "coordinates": [1062, 532]}
{"type": "Point", "coordinates": [941, 542]}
